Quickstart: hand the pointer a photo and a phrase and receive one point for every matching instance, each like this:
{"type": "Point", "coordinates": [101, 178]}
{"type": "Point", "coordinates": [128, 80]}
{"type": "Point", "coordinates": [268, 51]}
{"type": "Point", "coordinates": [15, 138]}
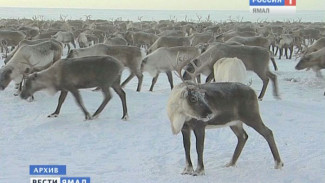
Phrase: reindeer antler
{"type": "Point", "coordinates": [198, 69]}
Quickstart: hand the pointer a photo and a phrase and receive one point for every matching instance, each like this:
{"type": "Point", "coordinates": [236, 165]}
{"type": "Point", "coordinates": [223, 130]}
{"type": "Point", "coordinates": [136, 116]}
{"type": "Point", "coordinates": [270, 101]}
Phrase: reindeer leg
{"type": "Point", "coordinates": [276, 50]}
{"type": "Point", "coordinates": [78, 99]}
{"type": "Point", "coordinates": [198, 78]}
{"type": "Point", "coordinates": [117, 88]}
{"type": "Point", "coordinates": [154, 80]}
{"type": "Point", "coordinates": [199, 132]}
{"type": "Point", "coordinates": [140, 79]}
{"type": "Point", "coordinates": [318, 73]}
{"type": "Point", "coordinates": [274, 64]}
{"type": "Point", "coordinates": [186, 132]}
{"type": "Point", "coordinates": [242, 138]}
{"type": "Point", "coordinates": [275, 84]}
{"type": "Point", "coordinates": [258, 125]}
{"type": "Point", "coordinates": [210, 77]}
{"type": "Point", "coordinates": [107, 97]}
{"type": "Point", "coordinates": [265, 80]}
{"type": "Point", "coordinates": [68, 45]}
{"type": "Point", "coordinates": [128, 79]}
{"type": "Point", "coordinates": [286, 53]}
{"type": "Point", "coordinates": [170, 79]}
{"type": "Point", "coordinates": [62, 97]}
{"type": "Point", "coordinates": [74, 44]}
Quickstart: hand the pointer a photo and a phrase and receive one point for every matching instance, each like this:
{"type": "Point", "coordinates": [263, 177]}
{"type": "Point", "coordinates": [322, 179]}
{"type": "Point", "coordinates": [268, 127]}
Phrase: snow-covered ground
{"type": "Point", "coordinates": [143, 149]}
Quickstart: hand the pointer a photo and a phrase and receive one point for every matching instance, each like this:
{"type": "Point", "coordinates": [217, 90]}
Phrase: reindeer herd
{"type": "Point", "coordinates": [222, 51]}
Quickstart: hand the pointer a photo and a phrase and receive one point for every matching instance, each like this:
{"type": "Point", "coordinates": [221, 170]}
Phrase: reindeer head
{"type": "Point", "coordinates": [30, 86]}
{"type": "Point", "coordinates": [305, 62]}
{"type": "Point", "coordinates": [186, 101]}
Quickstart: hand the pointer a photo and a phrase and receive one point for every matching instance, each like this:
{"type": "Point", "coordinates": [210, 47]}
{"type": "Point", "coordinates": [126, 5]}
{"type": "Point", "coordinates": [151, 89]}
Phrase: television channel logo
{"type": "Point", "coordinates": [53, 174]}
{"type": "Point", "coordinates": [272, 6]}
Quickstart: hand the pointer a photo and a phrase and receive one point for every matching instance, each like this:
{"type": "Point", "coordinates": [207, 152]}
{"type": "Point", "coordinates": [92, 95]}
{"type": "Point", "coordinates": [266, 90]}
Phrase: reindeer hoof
{"type": "Point", "coordinates": [188, 171]}
{"type": "Point", "coordinates": [278, 165]}
{"type": "Point", "coordinates": [54, 115]}
{"type": "Point", "coordinates": [88, 117]}
{"type": "Point", "coordinates": [125, 117]}
{"type": "Point", "coordinates": [230, 164]}
{"type": "Point", "coordinates": [95, 116]}
{"type": "Point", "coordinates": [30, 99]}
{"type": "Point", "coordinates": [199, 172]}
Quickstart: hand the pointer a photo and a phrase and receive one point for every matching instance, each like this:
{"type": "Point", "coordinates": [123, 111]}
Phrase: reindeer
{"type": "Point", "coordinates": [169, 41]}
{"type": "Point", "coordinates": [46, 35]}
{"type": "Point", "coordinates": [65, 38]}
{"type": "Point", "coordinates": [163, 60]}
{"type": "Point", "coordinates": [200, 38]}
{"type": "Point", "coordinates": [255, 59]}
{"type": "Point", "coordinates": [11, 38]}
{"type": "Point", "coordinates": [227, 35]}
{"type": "Point", "coordinates": [29, 31]}
{"type": "Point", "coordinates": [314, 60]}
{"type": "Point", "coordinates": [285, 42]}
{"type": "Point", "coordinates": [142, 38]}
{"type": "Point", "coordinates": [26, 42]}
{"type": "Point", "coordinates": [130, 56]}
{"type": "Point", "coordinates": [28, 59]}
{"type": "Point", "coordinates": [251, 41]}
{"type": "Point", "coordinates": [83, 40]}
{"type": "Point", "coordinates": [115, 41]}
{"type": "Point", "coordinates": [311, 34]}
{"type": "Point", "coordinates": [319, 44]}
{"type": "Point", "coordinates": [229, 70]}
{"type": "Point", "coordinates": [197, 107]}
{"type": "Point", "coordinates": [69, 75]}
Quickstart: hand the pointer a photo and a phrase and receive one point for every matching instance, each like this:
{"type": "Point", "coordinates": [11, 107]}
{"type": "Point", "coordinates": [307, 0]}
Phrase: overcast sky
{"type": "Point", "coordinates": [152, 4]}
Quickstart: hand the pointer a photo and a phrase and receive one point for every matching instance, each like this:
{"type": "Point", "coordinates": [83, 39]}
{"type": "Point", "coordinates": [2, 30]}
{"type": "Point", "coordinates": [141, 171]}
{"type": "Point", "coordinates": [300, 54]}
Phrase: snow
{"type": "Point", "coordinates": [143, 148]}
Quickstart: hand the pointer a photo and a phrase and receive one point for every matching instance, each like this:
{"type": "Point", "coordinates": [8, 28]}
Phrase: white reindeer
{"type": "Point", "coordinates": [229, 70]}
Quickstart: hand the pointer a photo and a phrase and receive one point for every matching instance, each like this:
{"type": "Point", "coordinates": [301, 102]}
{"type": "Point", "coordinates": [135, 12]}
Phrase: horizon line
{"type": "Point", "coordinates": [128, 9]}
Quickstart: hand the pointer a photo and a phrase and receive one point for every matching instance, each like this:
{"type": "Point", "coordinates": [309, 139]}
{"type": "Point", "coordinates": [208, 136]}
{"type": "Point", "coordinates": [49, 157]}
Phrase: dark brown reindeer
{"type": "Point", "coordinates": [69, 75]}
{"type": "Point", "coordinates": [196, 107]}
